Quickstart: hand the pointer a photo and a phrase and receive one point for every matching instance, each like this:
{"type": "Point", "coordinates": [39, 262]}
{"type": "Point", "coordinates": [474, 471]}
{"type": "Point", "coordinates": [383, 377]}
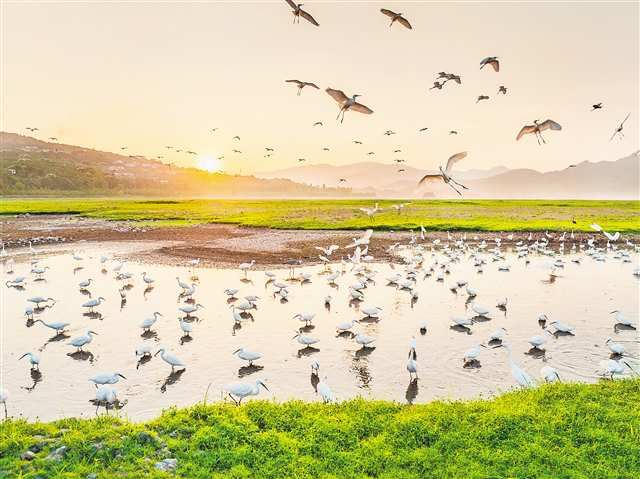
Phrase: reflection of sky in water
{"type": "Point", "coordinates": [582, 295]}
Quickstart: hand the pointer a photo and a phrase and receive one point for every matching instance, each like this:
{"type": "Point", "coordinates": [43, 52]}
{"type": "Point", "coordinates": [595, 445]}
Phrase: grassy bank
{"type": "Point", "coordinates": [487, 215]}
{"type": "Point", "coordinates": [556, 431]}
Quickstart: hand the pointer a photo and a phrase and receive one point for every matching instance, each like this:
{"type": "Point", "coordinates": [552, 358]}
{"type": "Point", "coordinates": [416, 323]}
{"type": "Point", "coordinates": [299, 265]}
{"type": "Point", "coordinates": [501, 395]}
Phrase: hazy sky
{"type": "Point", "coordinates": [150, 74]}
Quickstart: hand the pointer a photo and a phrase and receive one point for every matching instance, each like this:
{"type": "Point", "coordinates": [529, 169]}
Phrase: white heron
{"type": "Point", "coordinates": [231, 292]}
{"type": "Point", "coordinates": [58, 327]}
{"type": "Point", "coordinates": [302, 84]}
{"type": "Point", "coordinates": [620, 318]}
{"type": "Point", "coordinates": [363, 340]}
{"type": "Point", "coordinates": [299, 12]}
{"type": "Point", "coordinates": [81, 341]}
{"type": "Point", "coordinates": [539, 340]}
{"type": "Point", "coordinates": [147, 279]}
{"type": "Point", "coordinates": [550, 374]}
{"type": "Point", "coordinates": [16, 282]}
{"type": "Point", "coordinates": [169, 358]}
{"type": "Point", "coordinates": [472, 355]}
{"type": "Point", "coordinates": [537, 128]}
{"type": "Point", "coordinates": [519, 374]}
{"type": "Point", "coordinates": [247, 355]}
{"type": "Point", "coordinates": [305, 340]}
{"type": "Point", "coordinates": [445, 174]}
{"type": "Point", "coordinates": [615, 348]}
{"type": "Point", "coordinates": [306, 318]}
{"type": "Point", "coordinates": [498, 334]}
{"type": "Point", "coordinates": [325, 391]}
{"type": "Point", "coordinates": [106, 378]}
{"type": "Point", "coordinates": [371, 312]}
{"type": "Point", "coordinates": [346, 326]}
{"type": "Point", "coordinates": [92, 303]}
{"type": "Point", "coordinates": [243, 390]}
{"type": "Point", "coordinates": [618, 131]}
{"type": "Point", "coordinates": [563, 327]}
{"type": "Point", "coordinates": [38, 300]}
{"type": "Point", "coordinates": [345, 103]}
{"type": "Point", "coordinates": [182, 284]}
{"type": "Point", "coordinates": [189, 309]}
{"type": "Point", "coordinates": [461, 321]}
{"type": "Point", "coordinates": [493, 61]}
{"type": "Point", "coordinates": [186, 327]}
{"type": "Point", "coordinates": [396, 17]}
{"type": "Point", "coordinates": [480, 311]}
{"type": "Point", "coordinates": [144, 350]}
{"type": "Point", "coordinates": [412, 366]}
{"type": "Point", "coordinates": [244, 267]}
{"type": "Point", "coordinates": [3, 399]}
{"type": "Point", "coordinates": [34, 360]}
{"type": "Point", "coordinates": [83, 285]}
{"type": "Point", "coordinates": [106, 395]}
{"type": "Point", "coordinates": [149, 322]}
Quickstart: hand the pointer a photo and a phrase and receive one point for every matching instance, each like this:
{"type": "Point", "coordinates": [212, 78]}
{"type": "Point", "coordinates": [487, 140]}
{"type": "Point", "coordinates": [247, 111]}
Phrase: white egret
{"type": "Point", "coordinates": [34, 360]}
{"type": "Point", "coordinates": [563, 327]}
{"type": "Point", "coordinates": [38, 300]}
{"type": "Point", "coordinates": [149, 322]}
{"type": "Point", "coordinates": [147, 279]}
{"type": "Point", "coordinates": [325, 391]}
{"type": "Point", "coordinates": [472, 355]}
{"type": "Point", "coordinates": [549, 374]}
{"type": "Point", "coordinates": [244, 267]}
{"type": "Point", "coordinates": [371, 312]}
{"type": "Point", "coordinates": [232, 292]}
{"type": "Point", "coordinates": [106, 378]}
{"type": "Point", "coordinates": [305, 340]}
{"type": "Point", "coordinates": [363, 340]}
{"type": "Point", "coordinates": [615, 348]}
{"type": "Point", "coordinates": [188, 310]}
{"type": "Point", "coordinates": [412, 367]}
{"type": "Point", "coordinates": [243, 390]}
{"type": "Point", "coordinates": [620, 318]}
{"type": "Point", "coordinates": [144, 350]}
{"type": "Point", "coordinates": [539, 340]}
{"type": "Point", "coordinates": [169, 358]}
{"type": "Point", "coordinates": [445, 173]}
{"type": "Point", "coordinates": [537, 128]}
{"type": "Point", "coordinates": [519, 374]}
{"type": "Point", "coordinates": [92, 303]}
{"type": "Point", "coordinates": [58, 327]}
{"type": "Point", "coordinates": [247, 355]}
{"type": "Point", "coordinates": [186, 327]}
{"type": "Point", "coordinates": [306, 318]}
{"type": "Point", "coordinates": [81, 341]}
{"type": "Point", "coordinates": [480, 311]}
{"type": "Point", "coordinates": [83, 285]}
{"type": "Point", "coordinates": [498, 334]}
{"type": "Point", "coordinates": [347, 103]}
{"type": "Point", "coordinates": [106, 395]}
{"type": "Point", "coordinates": [346, 326]}
{"type": "Point", "coordinates": [3, 399]}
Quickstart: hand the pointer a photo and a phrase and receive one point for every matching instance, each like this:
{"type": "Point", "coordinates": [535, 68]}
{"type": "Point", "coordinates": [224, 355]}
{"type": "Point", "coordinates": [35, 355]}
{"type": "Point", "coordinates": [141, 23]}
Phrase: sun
{"type": "Point", "coordinates": [209, 163]}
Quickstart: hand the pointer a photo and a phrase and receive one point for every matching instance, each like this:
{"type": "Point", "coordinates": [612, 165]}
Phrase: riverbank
{"type": "Point", "coordinates": [560, 430]}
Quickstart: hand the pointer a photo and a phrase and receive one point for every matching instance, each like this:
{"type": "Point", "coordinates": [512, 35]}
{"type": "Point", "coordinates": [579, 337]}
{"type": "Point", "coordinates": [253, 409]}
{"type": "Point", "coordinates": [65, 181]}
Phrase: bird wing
{"type": "Point", "coordinates": [312, 84]}
{"type": "Point", "coordinates": [292, 4]}
{"type": "Point", "coordinates": [427, 178]}
{"type": "Point", "coordinates": [337, 95]}
{"type": "Point", "coordinates": [308, 18]}
{"type": "Point", "coordinates": [454, 159]}
{"type": "Point", "coordinates": [404, 22]}
{"type": "Point", "coordinates": [549, 125]}
{"type": "Point", "coordinates": [359, 107]}
{"type": "Point", "coordinates": [388, 13]}
{"type": "Point", "coordinates": [297, 82]}
{"type": "Point", "coordinates": [526, 129]}
{"type": "Point", "coordinates": [625, 118]}
{"type": "Point", "coordinates": [495, 64]}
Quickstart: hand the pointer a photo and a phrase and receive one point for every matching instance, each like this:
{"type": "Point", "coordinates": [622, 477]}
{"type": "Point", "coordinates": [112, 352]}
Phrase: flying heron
{"type": "Point", "coordinates": [502, 89]}
{"type": "Point", "coordinates": [302, 84]}
{"type": "Point", "coordinates": [453, 132]}
{"type": "Point", "coordinates": [437, 85]}
{"type": "Point", "coordinates": [396, 17]}
{"type": "Point", "coordinates": [342, 180]}
{"type": "Point", "coordinates": [299, 12]}
{"type": "Point", "coordinates": [236, 138]}
{"type": "Point", "coordinates": [596, 106]}
{"type": "Point", "coordinates": [445, 174]}
{"type": "Point", "coordinates": [347, 103]}
{"type": "Point", "coordinates": [538, 128]}
{"type": "Point", "coordinates": [482, 97]}
{"type": "Point", "coordinates": [318, 123]}
{"type": "Point", "coordinates": [357, 142]}
{"type": "Point", "coordinates": [619, 129]}
{"type": "Point", "coordinates": [493, 61]}
{"type": "Point", "coordinates": [451, 76]}
{"type": "Point", "coordinates": [423, 129]}
{"type": "Point", "coordinates": [389, 133]}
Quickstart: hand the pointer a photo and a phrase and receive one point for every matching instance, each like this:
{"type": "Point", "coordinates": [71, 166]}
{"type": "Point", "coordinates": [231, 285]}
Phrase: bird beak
{"type": "Point", "coordinates": [295, 336]}
{"type": "Point", "coordinates": [22, 357]}
{"type": "Point", "coordinates": [614, 311]}
{"type": "Point", "coordinates": [236, 351]}
{"type": "Point", "coordinates": [122, 376]}
{"type": "Point", "coordinates": [264, 386]}
{"type": "Point", "coordinates": [158, 352]}
{"type": "Point", "coordinates": [93, 332]}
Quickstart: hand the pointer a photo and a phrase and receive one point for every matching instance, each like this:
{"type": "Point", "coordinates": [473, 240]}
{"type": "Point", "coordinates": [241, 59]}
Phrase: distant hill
{"type": "Point", "coordinates": [618, 179]}
{"type": "Point", "coordinates": [29, 166]}
{"type": "Point", "coordinates": [367, 175]}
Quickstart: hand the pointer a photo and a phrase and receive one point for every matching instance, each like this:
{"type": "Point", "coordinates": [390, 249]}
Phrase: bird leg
{"type": "Point", "coordinates": [459, 184]}
{"type": "Point", "coordinates": [454, 188]}
{"type": "Point", "coordinates": [233, 399]}
{"type": "Point", "coordinates": [299, 90]}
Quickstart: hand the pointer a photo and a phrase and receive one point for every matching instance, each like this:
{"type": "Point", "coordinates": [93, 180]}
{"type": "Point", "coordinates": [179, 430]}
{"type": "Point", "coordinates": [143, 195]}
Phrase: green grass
{"type": "Point", "coordinates": [487, 215]}
{"type": "Point", "coordinates": [555, 431]}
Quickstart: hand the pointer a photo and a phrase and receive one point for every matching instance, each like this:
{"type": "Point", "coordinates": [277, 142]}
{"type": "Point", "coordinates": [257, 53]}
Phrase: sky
{"type": "Point", "coordinates": [149, 74]}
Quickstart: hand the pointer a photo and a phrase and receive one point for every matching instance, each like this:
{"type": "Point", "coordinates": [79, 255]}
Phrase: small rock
{"type": "Point", "coordinates": [28, 455]}
{"type": "Point", "coordinates": [167, 465]}
{"type": "Point", "coordinates": [37, 447]}
{"type": "Point", "coordinates": [173, 434]}
{"type": "Point", "coordinates": [93, 475]}
{"type": "Point", "coordinates": [57, 454]}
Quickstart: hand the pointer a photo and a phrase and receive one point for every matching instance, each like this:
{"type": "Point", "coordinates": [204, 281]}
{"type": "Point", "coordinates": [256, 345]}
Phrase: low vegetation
{"type": "Point", "coordinates": [555, 431]}
{"type": "Point", "coordinates": [487, 215]}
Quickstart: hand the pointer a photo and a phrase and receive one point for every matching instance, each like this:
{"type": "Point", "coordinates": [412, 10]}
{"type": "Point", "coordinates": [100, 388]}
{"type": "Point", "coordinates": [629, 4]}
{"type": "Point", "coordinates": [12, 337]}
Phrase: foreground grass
{"type": "Point", "coordinates": [555, 431]}
{"type": "Point", "coordinates": [487, 215]}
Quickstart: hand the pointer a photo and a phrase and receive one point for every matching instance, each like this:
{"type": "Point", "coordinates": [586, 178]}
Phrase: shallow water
{"type": "Point", "coordinates": [582, 295]}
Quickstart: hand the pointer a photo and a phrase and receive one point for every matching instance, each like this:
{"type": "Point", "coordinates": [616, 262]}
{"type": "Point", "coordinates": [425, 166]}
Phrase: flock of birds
{"type": "Point", "coordinates": [417, 259]}
{"type": "Point", "coordinates": [350, 103]}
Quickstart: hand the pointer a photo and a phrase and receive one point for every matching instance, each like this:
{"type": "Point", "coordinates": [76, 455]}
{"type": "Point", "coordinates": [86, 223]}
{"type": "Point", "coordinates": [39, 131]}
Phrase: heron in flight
{"type": "Point", "coordinates": [299, 12]}
{"type": "Point", "coordinates": [537, 128]}
{"type": "Point", "coordinates": [396, 17]}
{"type": "Point", "coordinates": [502, 89]}
{"type": "Point", "coordinates": [619, 129]}
{"type": "Point", "coordinates": [389, 133]}
{"type": "Point", "coordinates": [347, 103]}
{"type": "Point", "coordinates": [318, 123]}
{"type": "Point", "coordinates": [451, 76]}
{"type": "Point", "coordinates": [493, 61]}
{"type": "Point", "coordinates": [437, 85]}
{"type": "Point", "coordinates": [357, 142]}
{"type": "Point", "coordinates": [445, 174]}
{"type": "Point", "coordinates": [482, 97]}
{"type": "Point", "coordinates": [302, 84]}
{"type": "Point", "coordinates": [596, 106]}
{"type": "Point", "coordinates": [423, 129]}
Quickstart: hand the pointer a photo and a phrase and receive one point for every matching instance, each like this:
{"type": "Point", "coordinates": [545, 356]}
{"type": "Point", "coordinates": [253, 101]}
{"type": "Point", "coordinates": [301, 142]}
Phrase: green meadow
{"type": "Point", "coordinates": [554, 431]}
{"type": "Point", "coordinates": [480, 215]}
